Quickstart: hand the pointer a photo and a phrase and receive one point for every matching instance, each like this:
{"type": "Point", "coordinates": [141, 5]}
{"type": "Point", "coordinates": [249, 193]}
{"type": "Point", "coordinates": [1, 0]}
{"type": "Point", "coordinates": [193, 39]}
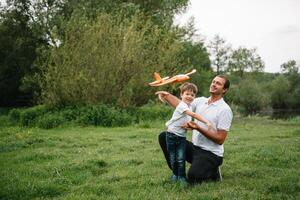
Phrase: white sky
{"type": "Point", "coordinates": [271, 26]}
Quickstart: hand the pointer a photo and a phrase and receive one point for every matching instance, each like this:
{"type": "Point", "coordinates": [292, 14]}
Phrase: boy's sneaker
{"type": "Point", "coordinates": [183, 181]}
{"type": "Point", "coordinates": [173, 178]}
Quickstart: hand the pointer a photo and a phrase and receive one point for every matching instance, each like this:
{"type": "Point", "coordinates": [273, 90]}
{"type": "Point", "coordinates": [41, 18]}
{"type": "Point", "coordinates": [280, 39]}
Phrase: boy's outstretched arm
{"type": "Point", "coordinates": [199, 118]}
{"type": "Point", "coordinates": [169, 98]}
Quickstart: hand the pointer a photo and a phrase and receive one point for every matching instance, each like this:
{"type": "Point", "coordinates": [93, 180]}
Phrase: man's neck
{"type": "Point", "coordinates": [214, 98]}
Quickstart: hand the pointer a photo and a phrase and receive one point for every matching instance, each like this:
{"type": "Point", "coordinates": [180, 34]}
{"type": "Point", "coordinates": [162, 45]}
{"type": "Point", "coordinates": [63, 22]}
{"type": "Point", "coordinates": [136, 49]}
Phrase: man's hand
{"type": "Point", "coordinates": [192, 125]}
{"type": "Point", "coordinates": [186, 126]}
{"type": "Point", "coordinates": [162, 95]}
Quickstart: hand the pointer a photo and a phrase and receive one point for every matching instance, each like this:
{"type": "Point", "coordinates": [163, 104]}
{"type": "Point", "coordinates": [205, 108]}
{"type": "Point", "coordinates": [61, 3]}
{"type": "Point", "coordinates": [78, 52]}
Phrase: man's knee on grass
{"type": "Point", "coordinates": [195, 176]}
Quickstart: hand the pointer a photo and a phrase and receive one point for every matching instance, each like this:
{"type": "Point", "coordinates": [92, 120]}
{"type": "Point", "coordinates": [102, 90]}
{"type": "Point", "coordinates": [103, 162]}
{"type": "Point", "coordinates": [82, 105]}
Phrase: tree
{"type": "Point", "coordinates": [17, 51]}
{"type": "Point", "coordinates": [160, 11]}
{"type": "Point", "coordinates": [30, 29]}
{"type": "Point", "coordinates": [280, 92]}
{"type": "Point", "coordinates": [249, 95]}
{"type": "Point", "coordinates": [291, 73]}
{"type": "Point", "coordinates": [219, 52]}
{"type": "Point", "coordinates": [244, 59]}
{"type": "Point", "coordinates": [109, 60]}
{"type": "Point", "coordinates": [289, 67]}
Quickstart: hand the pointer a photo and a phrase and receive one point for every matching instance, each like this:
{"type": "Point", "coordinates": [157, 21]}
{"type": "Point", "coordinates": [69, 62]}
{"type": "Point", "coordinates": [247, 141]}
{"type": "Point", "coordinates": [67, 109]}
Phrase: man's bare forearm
{"type": "Point", "coordinates": [215, 136]}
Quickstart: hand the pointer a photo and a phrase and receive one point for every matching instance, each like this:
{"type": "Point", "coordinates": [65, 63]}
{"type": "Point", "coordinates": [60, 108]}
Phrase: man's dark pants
{"type": "Point", "coordinates": [204, 164]}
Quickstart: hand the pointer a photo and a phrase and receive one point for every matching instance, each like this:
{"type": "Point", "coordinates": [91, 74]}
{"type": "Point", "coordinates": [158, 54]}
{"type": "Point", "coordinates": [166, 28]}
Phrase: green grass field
{"type": "Point", "coordinates": [262, 161]}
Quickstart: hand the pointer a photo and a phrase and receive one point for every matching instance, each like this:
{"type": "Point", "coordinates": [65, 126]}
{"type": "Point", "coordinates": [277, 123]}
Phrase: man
{"type": "Point", "coordinates": [205, 152]}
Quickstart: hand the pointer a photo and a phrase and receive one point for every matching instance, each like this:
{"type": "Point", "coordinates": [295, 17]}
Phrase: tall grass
{"type": "Point", "coordinates": [262, 159]}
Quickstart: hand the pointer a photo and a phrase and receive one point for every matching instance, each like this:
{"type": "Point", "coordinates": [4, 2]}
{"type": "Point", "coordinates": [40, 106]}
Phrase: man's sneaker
{"type": "Point", "coordinates": [219, 174]}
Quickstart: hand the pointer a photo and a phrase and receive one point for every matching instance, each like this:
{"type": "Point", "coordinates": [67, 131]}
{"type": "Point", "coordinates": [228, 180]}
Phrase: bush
{"type": "Point", "coordinates": [102, 115]}
{"type": "Point", "coordinates": [154, 111]}
{"type": "Point", "coordinates": [50, 121]}
{"type": "Point", "coordinates": [72, 113]}
{"type": "Point", "coordinates": [98, 115]}
{"type": "Point", "coordinates": [29, 116]}
{"type": "Point", "coordinates": [14, 115]}
{"type": "Point", "coordinates": [4, 110]}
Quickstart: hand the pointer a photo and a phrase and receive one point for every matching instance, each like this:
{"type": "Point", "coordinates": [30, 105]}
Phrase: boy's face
{"type": "Point", "coordinates": [188, 96]}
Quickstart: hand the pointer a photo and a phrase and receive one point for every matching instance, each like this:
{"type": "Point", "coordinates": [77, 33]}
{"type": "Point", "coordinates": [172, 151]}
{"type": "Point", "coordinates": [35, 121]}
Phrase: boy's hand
{"type": "Point", "coordinates": [192, 125]}
{"type": "Point", "coordinates": [162, 95]}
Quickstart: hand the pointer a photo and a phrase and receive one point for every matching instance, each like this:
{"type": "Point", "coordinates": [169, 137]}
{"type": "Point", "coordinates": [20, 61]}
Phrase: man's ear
{"type": "Point", "coordinates": [225, 90]}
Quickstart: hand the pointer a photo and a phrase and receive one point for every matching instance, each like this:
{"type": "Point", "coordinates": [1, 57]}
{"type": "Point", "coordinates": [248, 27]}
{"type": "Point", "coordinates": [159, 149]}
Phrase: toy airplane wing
{"type": "Point", "coordinates": [158, 79]}
{"type": "Point", "coordinates": [174, 79]}
{"type": "Point", "coordinates": [167, 81]}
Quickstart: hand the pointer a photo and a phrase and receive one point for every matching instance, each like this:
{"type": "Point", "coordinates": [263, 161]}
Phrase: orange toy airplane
{"type": "Point", "coordinates": [166, 80]}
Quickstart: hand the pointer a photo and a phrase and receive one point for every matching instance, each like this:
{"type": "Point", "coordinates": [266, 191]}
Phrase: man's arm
{"type": "Point", "coordinates": [169, 98]}
{"type": "Point", "coordinates": [218, 136]}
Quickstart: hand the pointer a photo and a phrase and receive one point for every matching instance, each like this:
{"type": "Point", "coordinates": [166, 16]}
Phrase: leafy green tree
{"type": "Point", "coordinates": [17, 51]}
{"type": "Point", "coordinates": [250, 96]}
{"type": "Point", "coordinates": [290, 71]}
{"type": "Point", "coordinates": [30, 29]}
{"type": "Point", "coordinates": [219, 52]}
{"type": "Point", "coordinates": [109, 60]}
{"type": "Point", "coordinates": [160, 11]}
{"type": "Point", "coordinates": [289, 67]}
{"type": "Point", "coordinates": [243, 59]}
{"type": "Point", "coordinates": [195, 55]}
{"type": "Point", "coordinates": [294, 100]}
{"type": "Point", "coordinates": [280, 92]}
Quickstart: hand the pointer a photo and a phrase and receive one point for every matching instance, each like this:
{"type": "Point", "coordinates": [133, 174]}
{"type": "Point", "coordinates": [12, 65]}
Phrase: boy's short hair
{"type": "Point", "coordinates": [188, 87]}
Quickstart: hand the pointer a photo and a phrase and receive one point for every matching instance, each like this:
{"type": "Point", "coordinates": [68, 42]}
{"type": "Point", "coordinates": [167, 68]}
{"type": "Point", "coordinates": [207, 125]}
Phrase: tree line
{"type": "Point", "coordinates": [253, 90]}
{"type": "Point", "coordinates": [76, 52]}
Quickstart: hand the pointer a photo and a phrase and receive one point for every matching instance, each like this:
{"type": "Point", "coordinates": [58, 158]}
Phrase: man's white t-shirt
{"type": "Point", "coordinates": [178, 119]}
{"type": "Point", "coordinates": [220, 116]}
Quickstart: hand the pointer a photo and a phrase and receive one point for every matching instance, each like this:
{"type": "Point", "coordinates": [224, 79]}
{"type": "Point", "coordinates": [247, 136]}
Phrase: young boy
{"type": "Point", "coordinates": [176, 134]}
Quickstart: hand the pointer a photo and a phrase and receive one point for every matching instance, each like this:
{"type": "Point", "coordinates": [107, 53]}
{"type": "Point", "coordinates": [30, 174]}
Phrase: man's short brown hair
{"type": "Point", "coordinates": [227, 82]}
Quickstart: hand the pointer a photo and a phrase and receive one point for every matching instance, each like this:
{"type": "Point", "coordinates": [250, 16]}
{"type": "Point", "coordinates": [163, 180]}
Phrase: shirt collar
{"type": "Point", "coordinates": [214, 103]}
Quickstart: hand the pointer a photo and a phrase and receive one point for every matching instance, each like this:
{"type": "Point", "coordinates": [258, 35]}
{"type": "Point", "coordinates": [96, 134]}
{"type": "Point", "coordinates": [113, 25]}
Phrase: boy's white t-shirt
{"type": "Point", "coordinates": [179, 118]}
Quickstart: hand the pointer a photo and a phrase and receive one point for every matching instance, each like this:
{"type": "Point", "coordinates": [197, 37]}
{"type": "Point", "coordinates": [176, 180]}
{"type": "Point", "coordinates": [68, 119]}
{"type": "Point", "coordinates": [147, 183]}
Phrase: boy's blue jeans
{"type": "Point", "coordinates": [176, 152]}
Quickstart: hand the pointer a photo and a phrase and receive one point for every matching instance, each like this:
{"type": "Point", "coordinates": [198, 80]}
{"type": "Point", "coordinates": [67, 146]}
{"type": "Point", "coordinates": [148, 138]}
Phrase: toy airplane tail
{"type": "Point", "coordinates": [157, 77]}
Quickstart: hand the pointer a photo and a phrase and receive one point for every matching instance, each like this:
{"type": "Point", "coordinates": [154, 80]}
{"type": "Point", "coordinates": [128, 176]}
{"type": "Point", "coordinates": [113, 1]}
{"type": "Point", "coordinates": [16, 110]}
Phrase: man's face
{"type": "Point", "coordinates": [217, 86]}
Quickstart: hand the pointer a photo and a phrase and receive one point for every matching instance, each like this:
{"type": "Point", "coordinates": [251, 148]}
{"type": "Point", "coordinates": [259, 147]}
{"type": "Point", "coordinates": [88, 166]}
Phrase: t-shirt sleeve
{"type": "Point", "coordinates": [225, 119]}
{"type": "Point", "coordinates": [182, 107]}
